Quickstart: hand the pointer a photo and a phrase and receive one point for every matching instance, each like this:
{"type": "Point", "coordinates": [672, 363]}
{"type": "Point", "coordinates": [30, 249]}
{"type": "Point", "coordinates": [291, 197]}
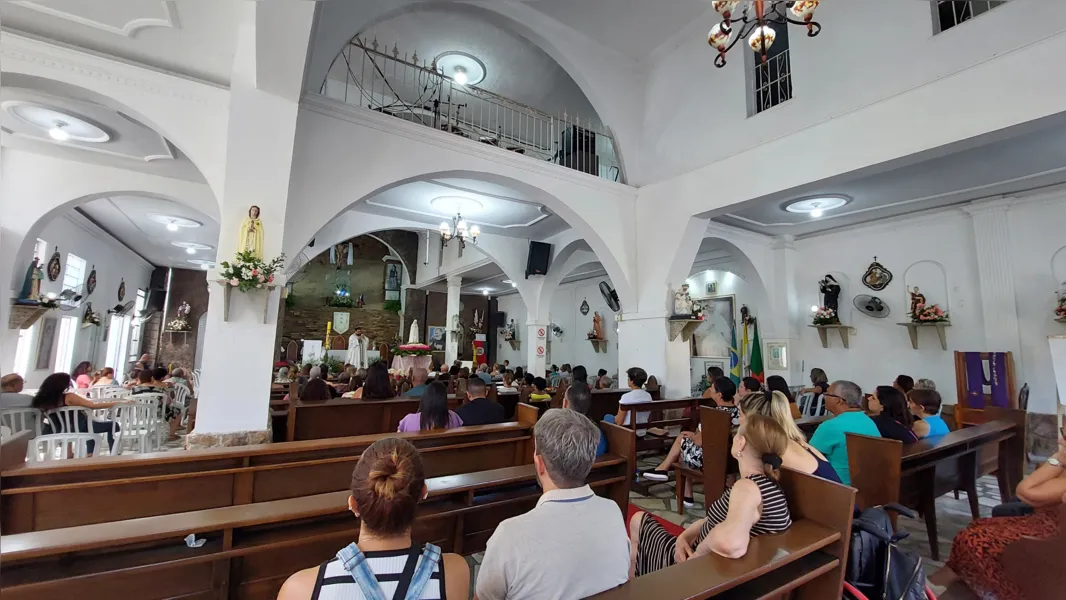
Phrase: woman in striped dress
{"type": "Point", "coordinates": [755, 505]}
{"type": "Point", "coordinates": [387, 483]}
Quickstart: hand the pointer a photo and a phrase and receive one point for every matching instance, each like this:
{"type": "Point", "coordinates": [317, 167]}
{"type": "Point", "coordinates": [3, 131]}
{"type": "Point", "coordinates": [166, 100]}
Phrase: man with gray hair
{"type": "Point", "coordinates": [574, 543]}
{"type": "Point", "coordinates": [843, 399]}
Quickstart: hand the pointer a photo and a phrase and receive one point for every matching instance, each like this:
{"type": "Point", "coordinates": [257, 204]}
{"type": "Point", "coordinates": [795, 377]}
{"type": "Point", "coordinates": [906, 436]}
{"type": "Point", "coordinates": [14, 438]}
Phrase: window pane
{"type": "Point", "coordinates": [74, 272]}
{"type": "Point", "coordinates": [22, 351]}
{"type": "Point", "coordinates": [65, 353]}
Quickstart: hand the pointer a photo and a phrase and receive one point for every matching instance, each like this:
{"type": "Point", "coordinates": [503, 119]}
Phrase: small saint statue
{"type": "Point", "coordinates": [509, 331]}
{"type": "Point", "coordinates": [682, 302]}
{"type": "Point", "coordinates": [917, 300]}
{"type": "Point", "coordinates": [597, 326]}
{"type": "Point", "coordinates": [412, 336]}
{"type": "Point", "coordinates": [31, 285]}
{"type": "Point", "coordinates": [830, 293]}
{"type": "Point", "coordinates": [251, 236]}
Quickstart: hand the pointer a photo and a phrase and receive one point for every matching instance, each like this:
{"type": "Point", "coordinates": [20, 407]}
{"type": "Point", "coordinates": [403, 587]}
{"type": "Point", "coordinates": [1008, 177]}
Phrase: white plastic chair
{"type": "Point", "coordinates": [137, 427]}
{"type": "Point", "coordinates": [181, 400]}
{"type": "Point", "coordinates": [66, 419]}
{"type": "Point", "coordinates": [59, 446]}
{"type": "Point", "coordinates": [110, 392]}
{"type": "Point", "coordinates": [803, 401]}
{"type": "Point", "coordinates": [159, 401]}
{"type": "Point", "coordinates": [21, 419]}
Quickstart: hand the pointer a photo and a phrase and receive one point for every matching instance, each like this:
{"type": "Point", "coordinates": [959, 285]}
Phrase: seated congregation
{"type": "Point", "coordinates": [537, 473]}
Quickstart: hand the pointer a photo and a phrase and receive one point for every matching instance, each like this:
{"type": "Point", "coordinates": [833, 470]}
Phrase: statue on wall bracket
{"type": "Point", "coordinates": [877, 277]}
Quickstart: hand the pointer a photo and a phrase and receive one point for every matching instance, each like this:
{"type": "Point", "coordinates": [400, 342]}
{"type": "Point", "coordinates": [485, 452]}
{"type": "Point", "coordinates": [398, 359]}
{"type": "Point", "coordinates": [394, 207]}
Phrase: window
{"type": "Point", "coordinates": [41, 251]}
{"type": "Point", "coordinates": [68, 326]}
{"type": "Point", "coordinates": [22, 351]}
{"type": "Point", "coordinates": [74, 272]}
{"type": "Point", "coordinates": [118, 330]}
{"type": "Point", "coordinates": [135, 338]}
{"type": "Point", "coordinates": [772, 80]}
{"type": "Point", "coordinates": [949, 13]}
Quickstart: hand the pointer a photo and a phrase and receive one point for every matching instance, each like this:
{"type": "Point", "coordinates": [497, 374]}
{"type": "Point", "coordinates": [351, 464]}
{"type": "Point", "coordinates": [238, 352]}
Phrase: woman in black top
{"type": "Point", "coordinates": [888, 407]}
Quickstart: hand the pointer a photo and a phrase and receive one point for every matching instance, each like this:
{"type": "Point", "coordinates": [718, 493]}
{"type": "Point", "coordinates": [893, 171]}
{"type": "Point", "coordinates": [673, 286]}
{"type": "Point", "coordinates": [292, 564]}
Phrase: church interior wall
{"type": "Point", "coordinates": [114, 263]}
{"type": "Point", "coordinates": [927, 244]}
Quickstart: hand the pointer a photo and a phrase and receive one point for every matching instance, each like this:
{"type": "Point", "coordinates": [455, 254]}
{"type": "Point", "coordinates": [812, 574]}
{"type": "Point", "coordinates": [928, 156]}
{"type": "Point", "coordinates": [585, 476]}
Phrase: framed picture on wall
{"type": "Point", "coordinates": [714, 336]}
{"type": "Point", "coordinates": [393, 271]}
{"type": "Point", "coordinates": [437, 337]}
{"type": "Point", "coordinates": [777, 356]}
{"type": "Point", "coordinates": [46, 344]}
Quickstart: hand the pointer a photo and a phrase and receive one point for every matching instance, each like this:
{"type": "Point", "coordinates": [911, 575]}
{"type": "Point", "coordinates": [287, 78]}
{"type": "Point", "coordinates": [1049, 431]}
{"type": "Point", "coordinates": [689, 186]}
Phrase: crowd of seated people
{"type": "Point", "coordinates": [55, 392]}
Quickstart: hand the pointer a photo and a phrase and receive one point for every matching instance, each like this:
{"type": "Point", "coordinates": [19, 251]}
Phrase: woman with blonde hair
{"type": "Point", "coordinates": [799, 455]}
{"type": "Point", "coordinates": [755, 505]}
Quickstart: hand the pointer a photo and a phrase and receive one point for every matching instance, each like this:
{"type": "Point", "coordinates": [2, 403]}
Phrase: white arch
{"type": "Point", "coordinates": [342, 158]}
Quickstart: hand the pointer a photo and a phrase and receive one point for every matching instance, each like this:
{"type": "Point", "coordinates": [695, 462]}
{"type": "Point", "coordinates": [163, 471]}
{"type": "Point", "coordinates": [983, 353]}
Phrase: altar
{"type": "Point", "coordinates": [403, 363]}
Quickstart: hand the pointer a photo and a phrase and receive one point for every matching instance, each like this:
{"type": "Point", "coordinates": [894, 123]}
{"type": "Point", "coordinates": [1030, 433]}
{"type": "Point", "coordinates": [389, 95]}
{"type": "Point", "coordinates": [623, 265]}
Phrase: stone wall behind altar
{"type": "Point", "coordinates": [309, 322]}
{"type": "Point", "coordinates": [177, 349]}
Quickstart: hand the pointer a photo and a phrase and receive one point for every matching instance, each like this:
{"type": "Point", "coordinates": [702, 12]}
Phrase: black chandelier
{"type": "Point", "coordinates": [757, 29]}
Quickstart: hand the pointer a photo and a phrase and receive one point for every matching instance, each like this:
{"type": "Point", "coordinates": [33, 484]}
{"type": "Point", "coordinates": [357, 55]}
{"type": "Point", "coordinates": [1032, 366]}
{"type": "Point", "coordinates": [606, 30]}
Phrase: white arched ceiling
{"type": "Point", "coordinates": [603, 75]}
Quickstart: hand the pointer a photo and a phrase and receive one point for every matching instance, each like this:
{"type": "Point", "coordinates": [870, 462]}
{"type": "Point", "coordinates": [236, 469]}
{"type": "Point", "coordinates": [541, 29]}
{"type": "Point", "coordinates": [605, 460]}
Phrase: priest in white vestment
{"type": "Point", "coordinates": [357, 347]}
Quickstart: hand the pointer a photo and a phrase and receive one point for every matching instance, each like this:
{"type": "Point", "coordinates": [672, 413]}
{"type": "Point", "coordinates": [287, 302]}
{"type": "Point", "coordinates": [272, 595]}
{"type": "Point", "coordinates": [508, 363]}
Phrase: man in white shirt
{"type": "Point", "coordinates": [574, 543]}
{"type": "Point", "coordinates": [636, 395]}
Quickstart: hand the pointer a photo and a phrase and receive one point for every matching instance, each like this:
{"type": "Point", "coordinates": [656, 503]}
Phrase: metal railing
{"type": "Point", "coordinates": [401, 87]}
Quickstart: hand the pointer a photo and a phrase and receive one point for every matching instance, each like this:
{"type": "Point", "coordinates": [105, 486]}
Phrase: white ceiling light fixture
{"type": "Point", "coordinates": [816, 206]}
{"type": "Point", "coordinates": [174, 223]}
{"type": "Point", "coordinates": [191, 247]}
{"type": "Point", "coordinates": [60, 126]}
{"type": "Point", "coordinates": [203, 264]}
{"type": "Point", "coordinates": [460, 67]}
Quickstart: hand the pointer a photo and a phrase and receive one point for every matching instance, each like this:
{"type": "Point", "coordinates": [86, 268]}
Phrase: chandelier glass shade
{"type": "Point", "coordinates": [755, 23]}
{"type": "Point", "coordinates": [458, 229]}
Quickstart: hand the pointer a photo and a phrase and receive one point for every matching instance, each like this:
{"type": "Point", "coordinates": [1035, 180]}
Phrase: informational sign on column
{"type": "Point", "coordinates": [540, 350]}
{"type": "Point", "coordinates": [542, 332]}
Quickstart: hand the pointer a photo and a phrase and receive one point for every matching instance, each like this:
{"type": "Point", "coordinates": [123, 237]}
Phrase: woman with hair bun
{"type": "Point", "coordinates": [755, 505]}
{"type": "Point", "coordinates": [800, 455]}
{"type": "Point", "coordinates": [387, 484]}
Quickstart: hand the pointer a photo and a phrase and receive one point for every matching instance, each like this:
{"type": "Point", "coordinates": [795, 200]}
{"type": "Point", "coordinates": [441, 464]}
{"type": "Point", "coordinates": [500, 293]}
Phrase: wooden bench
{"type": "Point", "coordinates": [808, 561]}
{"type": "Point", "coordinates": [915, 475]}
{"type": "Point", "coordinates": [101, 489]}
{"type": "Point", "coordinates": [343, 417]}
{"type": "Point", "coordinates": [605, 402]}
{"type": "Point", "coordinates": [657, 418]}
{"type": "Point", "coordinates": [251, 550]}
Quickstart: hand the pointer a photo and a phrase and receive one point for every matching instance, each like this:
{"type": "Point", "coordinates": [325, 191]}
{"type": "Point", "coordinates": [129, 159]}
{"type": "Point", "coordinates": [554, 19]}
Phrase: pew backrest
{"type": "Point", "coordinates": [344, 417]}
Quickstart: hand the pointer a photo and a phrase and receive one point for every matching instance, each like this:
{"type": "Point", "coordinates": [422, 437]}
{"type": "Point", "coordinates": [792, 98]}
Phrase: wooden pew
{"type": "Point", "coordinates": [915, 475]}
{"type": "Point", "coordinates": [657, 418]}
{"type": "Point", "coordinates": [808, 561]}
{"type": "Point", "coordinates": [13, 449]}
{"type": "Point", "coordinates": [251, 550]}
{"type": "Point", "coordinates": [342, 417]}
{"type": "Point", "coordinates": [716, 428]}
{"type": "Point", "coordinates": [100, 489]}
{"type": "Point", "coordinates": [605, 402]}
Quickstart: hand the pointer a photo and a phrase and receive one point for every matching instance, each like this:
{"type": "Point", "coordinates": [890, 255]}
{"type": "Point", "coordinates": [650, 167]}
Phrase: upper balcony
{"type": "Point", "coordinates": [443, 92]}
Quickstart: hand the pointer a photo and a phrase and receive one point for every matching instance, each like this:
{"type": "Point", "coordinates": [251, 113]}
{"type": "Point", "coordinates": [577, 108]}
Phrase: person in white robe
{"type": "Point", "coordinates": [357, 349]}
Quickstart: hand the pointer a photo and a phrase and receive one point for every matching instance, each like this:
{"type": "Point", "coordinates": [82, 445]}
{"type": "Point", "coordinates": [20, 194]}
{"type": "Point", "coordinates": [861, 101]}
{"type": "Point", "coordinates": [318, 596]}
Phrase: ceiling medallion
{"type": "Point", "coordinates": [816, 206]}
{"type": "Point", "coordinates": [460, 67]}
{"type": "Point", "coordinates": [174, 223]}
{"type": "Point", "coordinates": [59, 125]}
{"type": "Point", "coordinates": [757, 29]}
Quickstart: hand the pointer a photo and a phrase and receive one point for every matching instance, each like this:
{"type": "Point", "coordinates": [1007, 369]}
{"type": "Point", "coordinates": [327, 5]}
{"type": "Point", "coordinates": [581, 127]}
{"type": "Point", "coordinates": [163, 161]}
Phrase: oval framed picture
{"type": "Point", "coordinates": [121, 290]}
{"type": "Point", "coordinates": [90, 283]}
{"type": "Point", "coordinates": [54, 266]}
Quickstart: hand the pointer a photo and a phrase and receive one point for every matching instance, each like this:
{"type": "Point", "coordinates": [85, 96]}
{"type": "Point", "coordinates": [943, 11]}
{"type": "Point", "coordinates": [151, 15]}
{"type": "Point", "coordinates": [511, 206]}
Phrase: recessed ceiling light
{"type": "Point", "coordinates": [191, 247]}
{"type": "Point", "coordinates": [173, 223]}
{"type": "Point", "coordinates": [816, 206]}
{"type": "Point", "coordinates": [461, 67]}
{"type": "Point", "coordinates": [203, 264]}
{"type": "Point", "coordinates": [485, 291]}
{"type": "Point", "coordinates": [59, 125]}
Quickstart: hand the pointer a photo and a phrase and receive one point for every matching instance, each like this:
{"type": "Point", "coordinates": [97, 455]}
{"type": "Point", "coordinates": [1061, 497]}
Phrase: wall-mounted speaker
{"type": "Point", "coordinates": [539, 258]}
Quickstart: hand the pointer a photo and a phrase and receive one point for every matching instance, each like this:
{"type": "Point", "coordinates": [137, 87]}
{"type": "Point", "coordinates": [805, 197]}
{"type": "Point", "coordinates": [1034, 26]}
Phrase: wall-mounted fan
{"type": "Point", "coordinates": [871, 306]}
{"type": "Point", "coordinates": [121, 309]}
{"type": "Point", "coordinates": [70, 299]}
{"type": "Point", "coordinates": [296, 272]}
{"type": "Point", "coordinates": [610, 296]}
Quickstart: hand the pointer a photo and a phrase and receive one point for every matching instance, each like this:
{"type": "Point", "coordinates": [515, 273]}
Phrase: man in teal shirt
{"type": "Point", "coordinates": [844, 400]}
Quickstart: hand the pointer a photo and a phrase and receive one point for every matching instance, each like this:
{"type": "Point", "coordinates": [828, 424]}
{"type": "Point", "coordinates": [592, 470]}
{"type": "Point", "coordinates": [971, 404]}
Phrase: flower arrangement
{"type": "Point", "coordinates": [90, 318]}
{"type": "Point", "coordinates": [181, 322]}
{"type": "Point", "coordinates": [249, 272]}
{"type": "Point", "coordinates": [825, 316]}
{"type": "Point", "coordinates": [1060, 308]}
{"type": "Point", "coordinates": [930, 313]}
{"type": "Point", "coordinates": [411, 350]}
{"type": "Point", "coordinates": [48, 302]}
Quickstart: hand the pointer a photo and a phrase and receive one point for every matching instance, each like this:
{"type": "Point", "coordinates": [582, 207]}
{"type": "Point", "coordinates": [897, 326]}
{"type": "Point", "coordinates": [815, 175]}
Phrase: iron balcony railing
{"type": "Point", "coordinates": [418, 93]}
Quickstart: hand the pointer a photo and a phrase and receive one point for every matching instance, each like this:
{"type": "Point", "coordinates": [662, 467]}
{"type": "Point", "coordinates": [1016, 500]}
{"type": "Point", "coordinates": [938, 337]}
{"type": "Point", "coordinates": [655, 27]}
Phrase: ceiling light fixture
{"type": "Point", "coordinates": [816, 206]}
{"type": "Point", "coordinates": [458, 229]}
{"type": "Point", "coordinates": [460, 67]}
{"type": "Point", "coordinates": [757, 29]}
{"type": "Point", "coordinates": [174, 223]}
{"type": "Point", "coordinates": [172, 227]}
{"type": "Point", "coordinates": [191, 247]}
{"type": "Point", "coordinates": [485, 291]}
{"type": "Point", "coordinates": [190, 250]}
{"type": "Point", "coordinates": [58, 133]}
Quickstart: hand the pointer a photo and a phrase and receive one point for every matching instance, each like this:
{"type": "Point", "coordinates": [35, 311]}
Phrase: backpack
{"type": "Point", "coordinates": [877, 566]}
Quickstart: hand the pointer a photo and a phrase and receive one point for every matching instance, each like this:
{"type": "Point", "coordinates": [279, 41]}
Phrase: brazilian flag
{"type": "Point", "coordinates": [734, 360]}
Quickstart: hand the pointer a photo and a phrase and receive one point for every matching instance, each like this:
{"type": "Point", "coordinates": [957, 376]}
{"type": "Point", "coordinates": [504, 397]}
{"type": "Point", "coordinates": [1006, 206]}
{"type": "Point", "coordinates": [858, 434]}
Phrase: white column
{"type": "Point", "coordinates": [787, 314]}
{"type": "Point", "coordinates": [992, 244]}
{"type": "Point", "coordinates": [536, 347]}
{"type": "Point", "coordinates": [451, 349]}
{"type": "Point", "coordinates": [262, 126]}
{"type": "Point", "coordinates": [644, 341]}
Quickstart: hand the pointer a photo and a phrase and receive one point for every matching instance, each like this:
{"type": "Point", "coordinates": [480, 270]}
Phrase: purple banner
{"type": "Point", "coordinates": [995, 380]}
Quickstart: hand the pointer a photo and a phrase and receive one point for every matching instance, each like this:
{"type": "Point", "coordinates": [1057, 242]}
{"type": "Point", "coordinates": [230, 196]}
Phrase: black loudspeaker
{"type": "Point", "coordinates": [156, 299]}
{"type": "Point", "coordinates": [159, 279]}
{"type": "Point", "coordinates": [540, 256]}
{"type": "Point", "coordinates": [497, 320]}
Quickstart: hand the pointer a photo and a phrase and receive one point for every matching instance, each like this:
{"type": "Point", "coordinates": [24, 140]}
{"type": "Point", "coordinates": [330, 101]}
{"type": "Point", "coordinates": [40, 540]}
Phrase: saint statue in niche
{"type": "Point", "coordinates": [683, 303]}
{"type": "Point", "coordinates": [251, 235]}
{"type": "Point", "coordinates": [917, 299]}
{"type": "Point", "coordinates": [31, 285]}
{"type": "Point", "coordinates": [830, 293]}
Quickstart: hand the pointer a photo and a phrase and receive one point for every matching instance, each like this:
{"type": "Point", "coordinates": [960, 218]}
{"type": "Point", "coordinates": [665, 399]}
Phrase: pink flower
{"type": "Point", "coordinates": [258, 285]}
{"type": "Point", "coordinates": [270, 279]}
{"type": "Point", "coordinates": [261, 279]}
{"type": "Point", "coordinates": [255, 272]}
{"type": "Point", "coordinates": [234, 281]}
